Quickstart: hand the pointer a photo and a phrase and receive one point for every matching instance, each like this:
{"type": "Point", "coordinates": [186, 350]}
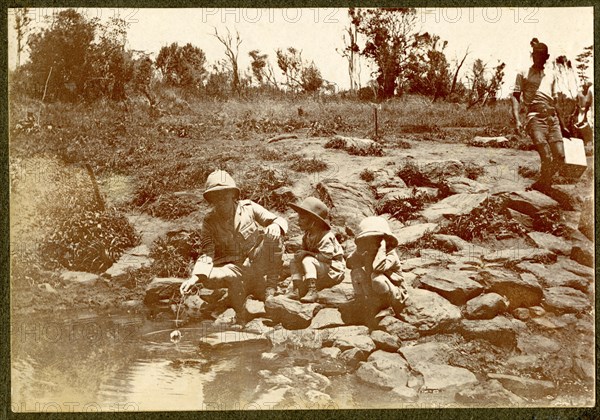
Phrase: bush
{"type": "Point", "coordinates": [403, 209]}
{"type": "Point", "coordinates": [473, 171]}
{"type": "Point", "coordinates": [89, 241]}
{"type": "Point", "coordinates": [301, 164]}
{"type": "Point", "coordinates": [261, 187]}
{"type": "Point", "coordinates": [367, 175]}
{"type": "Point", "coordinates": [172, 207]}
{"type": "Point", "coordinates": [412, 175]}
{"type": "Point", "coordinates": [374, 149]}
{"type": "Point", "coordinates": [175, 254]}
{"type": "Point", "coordinates": [335, 143]}
{"type": "Point", "coordinates": [549, 221]}
{"type": "Point", "coordinates": [487, 220]}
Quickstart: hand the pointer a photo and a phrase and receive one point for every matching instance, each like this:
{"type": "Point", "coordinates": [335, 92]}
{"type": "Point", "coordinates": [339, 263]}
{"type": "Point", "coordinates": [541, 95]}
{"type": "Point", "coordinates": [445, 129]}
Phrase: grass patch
{"type": "Point", "coordinates": [367, 175]}
{"type": "Point", "coordinates": [549, 221]}
{"type": "Point", "coordinates": [412, 175]}
{"type": "Point", "coordinates": [171, 207]}
{"type": "Point", "coordinates": [374, 149]}
{"type": "Point", "coordinates": [312, 165]}
{"type": "Point", "coordinates": [403, 209]}
{"type": "Point", "coordinates": [473, 171]}
{"type": "Point", "coordinates": [175, 254]}
{"type": "Point", "coordinates": [265, 187]}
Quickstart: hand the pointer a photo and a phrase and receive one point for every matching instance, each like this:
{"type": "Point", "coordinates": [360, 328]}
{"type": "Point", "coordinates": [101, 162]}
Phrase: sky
{"type": "Point", "coordinates": [492, 34]}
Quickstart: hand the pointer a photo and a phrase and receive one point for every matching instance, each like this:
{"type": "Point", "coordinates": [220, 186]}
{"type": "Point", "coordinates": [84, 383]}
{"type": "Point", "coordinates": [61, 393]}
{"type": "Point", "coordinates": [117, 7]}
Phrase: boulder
{"type": "Point", "coordinates": [550, 242]}
{"type": "Point", "coordinates": [327, 317]}
{"type": "Point", "coordinates": [537, 311]}
{"type": "Point", "coordinates": [386, 178]}
{"type": "Point", "coordinates": [522, 219]}
{"type": "Point", "coordinates": [554, 276]}
{"type": "Point", "coordinates": [530, 202]}
{"type": "Point", "coordinates": [516, 255]}
{"type": "Point", "coordinates": [258, 326]}
{"type": "Point", "coordinates": [292, 314]}
{"type": "Point", "coordinates": [521, 314]}
{"type": "Point", "coordinates": [355, 142]}
{"type": "Point", "coordinates": [131, 260]}
{"type": "Point", "coordinates": [194, 306]}
{"type": "Point", "coordinates": [338, 295]}
{"type": "Point", "coordinates": [361, 342]}
{"type": "Point", "coordinates": [385, 341]}
{"type": "Point", "coordinates": [413, 233]}
{"type": "Point", "coordinates": [234, 338]}
{"type": "Point", "coordinates": [226, 318]}
{"type": "Point", "coordinates": [463, 185]}
{"type": "Point", "coordinates": [489, 393]}
{"type": "Point", "coordinates": [404, 393]}
{"type": "Point", "coordinates": [384, 370]}
{"type": "Point", "coordinates": [537, 344]}
{"type": "Point", "coordinates": [79, 277]}
{"type": "Point", "coordinates": [582, 255]}
{"type": "Point", "coordinates": [429, 312]}
{"type": "Point", "coordinates": [456, 286]}
{"type": "Point", "coordinates": [576, 268]}
{"type": "Point", "coordinates": [499, 141]}
{"type": "Point", "coordinates": [499, 330]}
{"type": "Point", "coordinates": [439, 170]}
{"type": "Point", "coordinates": [565, 299]}
{"type": "Point", "coordinates": [349, 203]}
{"type": "Point", "coordinates": [332, 366]}
{"type": "Point", "coordinates": [331, 352]}
{"type": "Point", "coordinates": [486, 306]}
{"type": "Point", "coordinates": [352, 357]}
{"type": "Point", "coordinates": [451, 243]}
{"type": "Point", "coordinates": [525, 387]}
{"type": "Point", "coordinates": [522, 290]}
{"type": "Point", "coordinates": [524, 362]}
{"type": "Point", "coordinates": [442, 376]}
{"type": "Point", "coordinates": [454, 205]}
{"type": "Point", "coordinates": [329, 335]}
{"type": "Point", "coordinates": [255, 308]}
{"type": "Point", "coordinates": [586, 219]}
{"type": "Point", "coordinates": [161, 288]}
{"type": "Point", "coordinates": [402, 330]}
{"type": "Point", "coordinates": [430, 352]}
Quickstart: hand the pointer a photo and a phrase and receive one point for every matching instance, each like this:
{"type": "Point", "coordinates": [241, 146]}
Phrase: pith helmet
{"type": "Point", "coordinates": [376, 226]}
{"type": "Point", "coordinates": [219, 181]}
{"type": "Point", "coordinates": [313, 207]}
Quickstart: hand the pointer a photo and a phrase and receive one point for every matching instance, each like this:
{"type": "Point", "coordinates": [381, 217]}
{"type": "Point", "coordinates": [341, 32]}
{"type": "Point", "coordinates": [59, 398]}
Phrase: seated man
{"type": "Point", "coordinates": [236, 252]}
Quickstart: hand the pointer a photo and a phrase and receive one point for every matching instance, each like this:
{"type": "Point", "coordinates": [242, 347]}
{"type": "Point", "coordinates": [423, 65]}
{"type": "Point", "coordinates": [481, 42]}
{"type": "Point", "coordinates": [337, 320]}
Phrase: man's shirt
{"type": "Point", "coordinates": [537, 87]}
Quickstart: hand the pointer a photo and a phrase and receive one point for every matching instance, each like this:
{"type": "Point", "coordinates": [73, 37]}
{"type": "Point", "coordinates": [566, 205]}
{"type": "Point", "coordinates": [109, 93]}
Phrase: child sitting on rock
{"type": "Point", "coordinates": [320, 261]}
{"type": "Point", "coordinates": [376, 274]}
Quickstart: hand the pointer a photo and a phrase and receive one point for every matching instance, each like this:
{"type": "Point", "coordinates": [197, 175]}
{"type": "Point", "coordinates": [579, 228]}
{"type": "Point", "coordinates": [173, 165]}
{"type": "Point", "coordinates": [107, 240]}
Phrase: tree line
{"type": "Point", "coordinates": [75, 58]}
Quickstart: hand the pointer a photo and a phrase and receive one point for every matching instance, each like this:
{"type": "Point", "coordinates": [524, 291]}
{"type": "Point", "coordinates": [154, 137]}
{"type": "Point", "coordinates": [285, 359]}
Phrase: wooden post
{"type": "Point", "coordinates": [99, 200]}
{"type": "Point", "coordinates": [375, 118]}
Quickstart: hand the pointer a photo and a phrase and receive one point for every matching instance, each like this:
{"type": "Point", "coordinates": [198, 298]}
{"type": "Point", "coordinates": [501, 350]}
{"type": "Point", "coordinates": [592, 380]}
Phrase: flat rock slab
{"type": "Point", "coordinates": [525, 387]}
{"type": "Point", "coordinates": [327, 317]}
{"type": "Point", "coordinates": [530, 202]}
{"type": "Point", "coordinates": [441, 376]}
{"type": "Point", "coordinates": [554, 276]}
{"type": "Point", "coordinates": [431, 352]}
{"type": "Point", "coordinates": [463, 185]}
{"type": "Point", "coordinates": [129, 262]}
{"type": "Point", "coordinates": [353, 357]}
{"type": "Point", "coordinates": [516, 255]}
{"type": "Point", "coordinates": [79, 277]}
{"type": "Point", "coordinates": [452, 243]}
{"type": "Point", "coordinates": [255, 308]}
{"type": "Point", "coordinates": [522, 290]}
{"type": "Point", "coordinates": [349, 203]}
{"type": "Point", "coordinates": [413, 233]}
{"type": "Point", "coordinates": [361, 342]}
{"type": "Point", "coordinates": [329, 335]}
{"type": "Point", "coordinates": [429, 312]}
{"type": "Point", "coordinates": [550, 242]}
{"type": "Point", "coordinates": [565, 300]}
{"type": "Point", "coordinates": [386, 178]}
{"type": "Point", "coordinates": [438, 170]}
{"type": "Point", "coordinates": [583, 255]}
{"type": "Point", "coordinates": [537, 344]}
{"type": "Point", "coordinates": [488, 393]}
{"type": "Point", "coordinates": [338, 295]}
{"type": "Point", "coordinates": [385, 370]}
{"type": "Point", "coordinates": [523, 219]}
{"type": "Point", "coordinates": [291, 313]}
{"type": "Point", "coordinates": [457, 204]}
{"type": "Point", "coordinates": [410, 264]}
{"type": "Point", "coordinates": [486, 306]}
{"type": "Point", "coordinates": [161, 288]}
{"type": "Point", "coordinates": [481, 141]}
{"type": "Point", "coordinates": [456, 286]}
{"type": "Point", "coordinates": [385, 341]}
{"type": "Point", "coordinates": [234, 338]}
{"type": "Point", "coordinates": [499, 330]}
{"type": "Point", "coordinates": [402, 330]}
{"type": "Point", "coordinates": [576, 268]}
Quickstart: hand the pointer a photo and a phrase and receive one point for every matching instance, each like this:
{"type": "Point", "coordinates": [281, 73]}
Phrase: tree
{"type": "Point", "coordinates": [390, 41]}
{"type": "Point", "coordinates": [22, 21]}
{"type": "Point", "coordinates": [311, 79]}
{"type": "Point", "coordinates": [62, 50]}
{"type": "Point", "coordinates": [262, 69]}
{"type": "Point", "coordinates": [453, 88]}
{"type": "Point", "coordinates": [583, 60]}
{"type": "Point", "coordinates": [298, 73]}
{"type": "Point", "coordinates": [351, 53]}
{"type": "Point", "coordinates": [182, 65]}
{"type": "Point", "coordinates": [483, 89]}
{"type": "Point", "coordinates": [427, 70]}
{"type": "Point", "coordinates": [232, 49]}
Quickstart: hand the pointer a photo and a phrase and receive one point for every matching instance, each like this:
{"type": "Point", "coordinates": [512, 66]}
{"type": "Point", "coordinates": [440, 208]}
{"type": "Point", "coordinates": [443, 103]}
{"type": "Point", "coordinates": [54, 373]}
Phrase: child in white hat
{"type": "Point", "coordinates": [320, 262]}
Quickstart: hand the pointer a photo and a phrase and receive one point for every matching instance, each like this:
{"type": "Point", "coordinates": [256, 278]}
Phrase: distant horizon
{"type": "Point", "coordinates": [491, 34]}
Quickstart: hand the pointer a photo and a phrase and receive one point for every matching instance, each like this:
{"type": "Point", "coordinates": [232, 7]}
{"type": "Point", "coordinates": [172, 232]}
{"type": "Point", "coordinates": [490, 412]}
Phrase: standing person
{"type": "Point", "coordinates": [583, 117]}
{"type": "Point", "coordinates": [320, 262]}
{"type": "Point", "coordinates": [536, 89]}
{"type": "Point", "coordinates": [376, 273]}
{"type": "Point", "coordinates": [241, 243]}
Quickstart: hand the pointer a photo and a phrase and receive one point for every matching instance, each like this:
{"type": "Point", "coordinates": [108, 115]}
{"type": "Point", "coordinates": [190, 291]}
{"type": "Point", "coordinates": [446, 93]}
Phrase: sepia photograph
{"type": "Point", "coordinates": [230, 209]}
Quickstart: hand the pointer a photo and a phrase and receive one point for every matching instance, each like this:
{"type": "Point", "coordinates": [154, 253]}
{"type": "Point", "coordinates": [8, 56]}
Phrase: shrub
{"type": "Point", "coordinates": [89, 241]}
{"type": "Point", "coordinates": [403, 209]}
{"type": "Point", "coordinates": [263, 186]}
{"type": "Point", "coordinates": [527, 171]}
{"type": "Point", "coordinates": [473, 171]}
{"type": "Point", "coordinates": [549, 221]}
{"type": "Point", "coordinates": [172, 207]}
{"type": "Point", "coordinates": [301, 164]}
{"type": "Point", "coordinates": [175, 254]}
{"type": "Point", "coordinates": [367, 175]}
{"type": "Point", "coordinates": [412, 175]}
{"type": "Point", "coordinates": [373, 149]}
{"type": "Point", "coordinates": [335, 143]}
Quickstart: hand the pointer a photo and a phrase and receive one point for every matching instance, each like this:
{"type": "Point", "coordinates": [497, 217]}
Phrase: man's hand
{"type": "Point", "coordinates": [519, 128]}
{"type": "Point", "coordinates": [273, 231]}
{"type": "Point", "coordinates": [186, 285]}
{"type": "Point", "coordinates": [301, 253]}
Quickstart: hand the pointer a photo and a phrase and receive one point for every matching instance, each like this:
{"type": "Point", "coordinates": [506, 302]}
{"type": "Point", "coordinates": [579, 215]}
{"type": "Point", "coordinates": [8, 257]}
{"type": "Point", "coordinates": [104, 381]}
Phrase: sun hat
{"type": "Point", "coordinates": [313, 207]}
{"type": "Point", "coordinates": [376, 226]}
{"type": "Point", "coordinates": [219, 181]}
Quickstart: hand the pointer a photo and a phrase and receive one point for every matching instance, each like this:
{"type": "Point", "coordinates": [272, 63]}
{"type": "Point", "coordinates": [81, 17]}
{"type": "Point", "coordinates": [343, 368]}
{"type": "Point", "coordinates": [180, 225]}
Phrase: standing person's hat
{"type": "Point", "coordinates": [540, 47]}
{"type": "Point", "coordinates": [219, 181]}
{"type": "Point", "coordinates": [376, 226]}
{"type": "Point", "coordinates": [315, 208]}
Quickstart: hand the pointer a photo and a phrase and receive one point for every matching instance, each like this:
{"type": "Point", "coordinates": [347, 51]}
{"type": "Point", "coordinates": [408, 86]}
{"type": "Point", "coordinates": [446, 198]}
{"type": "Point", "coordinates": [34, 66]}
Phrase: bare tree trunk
{"type": "Point", "coordinates": [455, 78]}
